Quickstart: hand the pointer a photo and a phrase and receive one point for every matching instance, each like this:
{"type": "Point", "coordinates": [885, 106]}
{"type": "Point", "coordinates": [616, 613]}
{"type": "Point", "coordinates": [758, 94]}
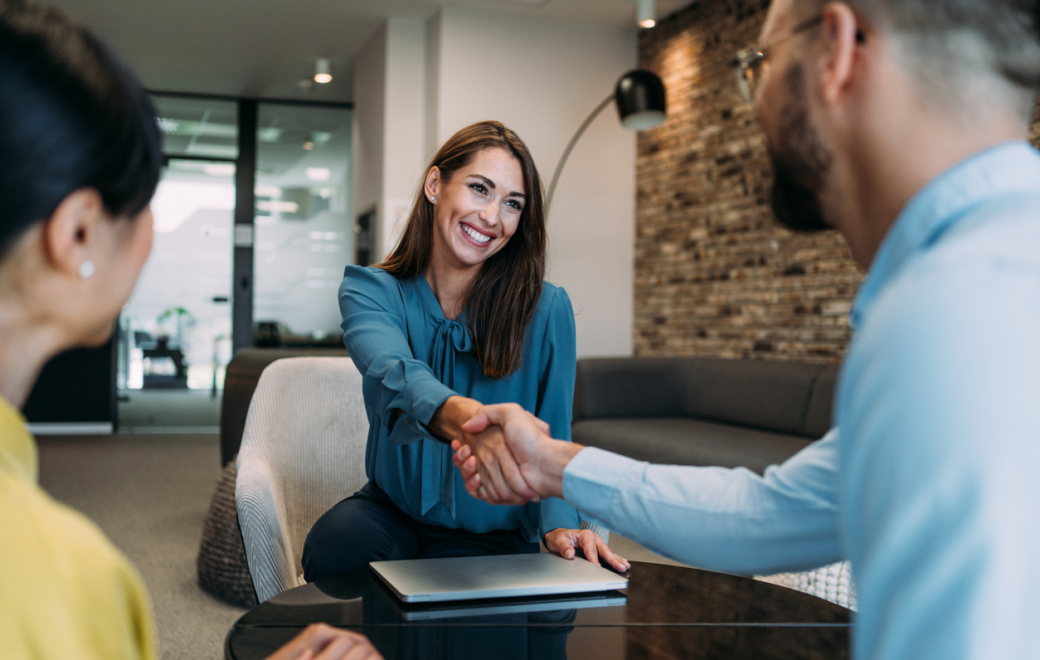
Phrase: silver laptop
{"type": "Point", "coordinates": [524, 605]}
{"type": "Point", "coordinates": [497, 576]}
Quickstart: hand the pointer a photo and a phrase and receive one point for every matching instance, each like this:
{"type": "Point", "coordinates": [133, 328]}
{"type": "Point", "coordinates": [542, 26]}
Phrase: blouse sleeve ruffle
{"type": "Point", "coordinates": [375, 336]}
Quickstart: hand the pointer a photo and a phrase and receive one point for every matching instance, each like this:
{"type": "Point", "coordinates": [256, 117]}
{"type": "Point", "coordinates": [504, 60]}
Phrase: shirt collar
{"type": "Point", "coordinates": [17, 449]}
{"type": "Point", "coordinates": [938, 206]}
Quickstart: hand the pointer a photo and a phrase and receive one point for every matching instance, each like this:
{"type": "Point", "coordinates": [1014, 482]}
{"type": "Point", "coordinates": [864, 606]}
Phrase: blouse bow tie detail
{"type": "Point", "coordinates": [457, 334]}
{"type": "Point", "coordinates": [438, 471]}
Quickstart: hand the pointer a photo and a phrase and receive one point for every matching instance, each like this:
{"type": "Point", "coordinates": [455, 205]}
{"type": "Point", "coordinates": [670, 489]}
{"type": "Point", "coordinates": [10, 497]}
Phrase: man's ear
{"type": "Point", "coordinates": [433, 183]}
{"type": "Point", "coordinates": [68, 233]}
{"type": "Point", "coordinates": [841, 38]}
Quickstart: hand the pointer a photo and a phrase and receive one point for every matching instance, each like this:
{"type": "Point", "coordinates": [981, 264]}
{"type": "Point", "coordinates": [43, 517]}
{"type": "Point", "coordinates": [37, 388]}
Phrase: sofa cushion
{"type": "Point", "coordinates": [630, 387]}
{"type": "Point", "coordinates": [819, 418]}
{"type": "Point", "coordinates": [682, 441]}
{"type": "Point", "coordinates": [771, 395]}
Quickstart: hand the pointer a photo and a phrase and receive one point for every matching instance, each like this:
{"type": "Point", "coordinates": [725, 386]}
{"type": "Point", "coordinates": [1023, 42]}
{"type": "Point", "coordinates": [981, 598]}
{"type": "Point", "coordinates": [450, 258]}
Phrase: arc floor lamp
{"type": "Point", "coordinates": [639, 96]}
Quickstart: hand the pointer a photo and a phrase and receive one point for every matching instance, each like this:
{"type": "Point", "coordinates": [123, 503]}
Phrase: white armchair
{"type": "Point", "coordinates": [303, 450]}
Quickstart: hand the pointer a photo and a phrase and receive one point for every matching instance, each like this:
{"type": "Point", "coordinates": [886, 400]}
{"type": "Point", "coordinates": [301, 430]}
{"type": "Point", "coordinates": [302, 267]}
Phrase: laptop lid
{"type": "Point", "coordinates": [523, 605]}
{"type": "Point", "coordinates": [495, 576]}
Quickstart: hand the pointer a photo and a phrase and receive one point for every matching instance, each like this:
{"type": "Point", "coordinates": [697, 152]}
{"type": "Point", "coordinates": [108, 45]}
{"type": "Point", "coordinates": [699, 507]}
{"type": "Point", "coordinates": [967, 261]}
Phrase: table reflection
{"type": "Point", "coordinates": [667, 612]}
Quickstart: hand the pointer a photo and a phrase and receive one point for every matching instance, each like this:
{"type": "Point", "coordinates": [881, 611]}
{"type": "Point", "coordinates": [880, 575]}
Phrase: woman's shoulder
{"type": "Point", "coordinates": [554, 307]}
{"type": "Point", "coordinates": [369, 275]}
{"type": "Point", "coordinates": [370, 282]}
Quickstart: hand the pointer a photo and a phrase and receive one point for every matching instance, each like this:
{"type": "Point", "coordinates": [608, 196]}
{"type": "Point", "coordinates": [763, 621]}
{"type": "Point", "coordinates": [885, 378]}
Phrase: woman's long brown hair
{"type": "Point", "coordinates": [506, 291]}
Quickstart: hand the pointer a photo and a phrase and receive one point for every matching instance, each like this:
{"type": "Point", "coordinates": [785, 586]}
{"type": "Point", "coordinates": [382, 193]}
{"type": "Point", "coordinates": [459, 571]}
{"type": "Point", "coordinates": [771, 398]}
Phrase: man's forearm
{"type": "Point", "coordinates": [548, 467]}
{"type": "Point", "coordinates": [716, 518]}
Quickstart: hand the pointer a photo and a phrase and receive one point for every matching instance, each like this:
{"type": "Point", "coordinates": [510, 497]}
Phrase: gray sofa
{"type": "Point", "coordinates": [702, 411]}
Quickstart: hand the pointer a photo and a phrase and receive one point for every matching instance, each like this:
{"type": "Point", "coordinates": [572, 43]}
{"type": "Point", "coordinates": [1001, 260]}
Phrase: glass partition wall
{"type": "Point", "coordinates": [302, 224]}
{"type": "Point", "coordinates": [176, 332]}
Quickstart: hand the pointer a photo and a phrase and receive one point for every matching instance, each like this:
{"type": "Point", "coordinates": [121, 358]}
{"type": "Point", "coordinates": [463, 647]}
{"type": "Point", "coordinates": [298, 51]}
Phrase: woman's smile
{"type": "Point", "coordinates": [474, 235]}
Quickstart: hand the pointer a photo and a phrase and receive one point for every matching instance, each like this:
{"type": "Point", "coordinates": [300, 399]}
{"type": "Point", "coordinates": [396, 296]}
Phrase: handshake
{"type": "Point", "coordinates": [508, 457]}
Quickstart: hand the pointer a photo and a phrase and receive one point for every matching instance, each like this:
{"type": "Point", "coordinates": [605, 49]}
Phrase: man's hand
{"type": "Point", "coordinates": [499, 473]}
{"type": "Point", "coordinates": [322, 642]}
{"type": "Point", "coordinates": [541, 459]}
{"type": "Point", "coordinates": [565, 542]}
{"type": "Point", "coordinates": [500, 480]}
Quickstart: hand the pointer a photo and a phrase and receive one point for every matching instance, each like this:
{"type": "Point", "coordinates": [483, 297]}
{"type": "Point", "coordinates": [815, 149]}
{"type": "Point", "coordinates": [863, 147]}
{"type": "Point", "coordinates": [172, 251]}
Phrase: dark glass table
{"type": "Point", "coordinates": [667, 612]}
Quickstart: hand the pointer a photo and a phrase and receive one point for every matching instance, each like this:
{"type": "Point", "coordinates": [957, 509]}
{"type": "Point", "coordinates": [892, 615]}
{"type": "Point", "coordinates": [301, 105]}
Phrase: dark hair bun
{"type": "Point", "coordinates": [72, 116]}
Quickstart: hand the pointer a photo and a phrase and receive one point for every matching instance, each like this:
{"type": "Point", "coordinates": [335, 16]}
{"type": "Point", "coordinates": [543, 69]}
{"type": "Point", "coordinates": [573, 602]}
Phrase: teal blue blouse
{"type": "Point", "coordinates": [412, 359]}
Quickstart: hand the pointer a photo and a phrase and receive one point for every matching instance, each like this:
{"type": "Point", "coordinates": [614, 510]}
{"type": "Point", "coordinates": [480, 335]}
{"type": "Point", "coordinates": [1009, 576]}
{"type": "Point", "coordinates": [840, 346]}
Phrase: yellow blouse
{"type": "Point", "coordinates": [65, 591]}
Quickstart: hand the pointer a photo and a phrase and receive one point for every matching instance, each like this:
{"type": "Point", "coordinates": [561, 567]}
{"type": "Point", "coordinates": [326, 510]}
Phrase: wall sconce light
{"type": "Point", "coordinates": [322, 72]}
{"type": "Point", "coordinates": [646, 15]}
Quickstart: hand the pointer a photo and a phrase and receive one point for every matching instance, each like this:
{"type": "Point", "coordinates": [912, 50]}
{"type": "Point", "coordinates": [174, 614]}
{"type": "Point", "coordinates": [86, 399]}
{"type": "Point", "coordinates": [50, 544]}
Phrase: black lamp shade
{"type": "Point", "coordinates": [640, 100]}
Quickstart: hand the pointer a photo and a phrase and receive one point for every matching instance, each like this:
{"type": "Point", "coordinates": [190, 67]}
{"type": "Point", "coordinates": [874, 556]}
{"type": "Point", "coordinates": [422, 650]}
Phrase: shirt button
{"type": "Point", "coordinates": [409, 421]}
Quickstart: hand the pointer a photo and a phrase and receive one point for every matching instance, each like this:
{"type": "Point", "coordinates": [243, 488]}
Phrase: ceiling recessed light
{"type": "Point", "coordinates": [646, 15]}
{"type": "Point", "coordinates": [323, 72]}
{"type": "Point", "coordinates": [318, 173]}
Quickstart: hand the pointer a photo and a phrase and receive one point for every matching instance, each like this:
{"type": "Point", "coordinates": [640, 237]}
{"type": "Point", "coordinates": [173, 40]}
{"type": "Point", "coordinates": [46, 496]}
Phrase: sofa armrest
{"type": "Point", "coordinates": [631, 387]}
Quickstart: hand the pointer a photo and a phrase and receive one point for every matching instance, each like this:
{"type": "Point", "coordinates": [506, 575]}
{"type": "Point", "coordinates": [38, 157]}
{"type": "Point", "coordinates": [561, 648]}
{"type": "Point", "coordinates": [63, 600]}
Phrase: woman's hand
{"type": "Point", "coordinates": [322, 642]}
{"type": "Point", "coordinates": [500, 478]}
{"type": "Point", "coordinates": [565, 541]}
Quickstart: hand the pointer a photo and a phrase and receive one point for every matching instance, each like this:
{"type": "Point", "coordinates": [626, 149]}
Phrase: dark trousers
{"type": "Point", "coordinates": [368, 526]}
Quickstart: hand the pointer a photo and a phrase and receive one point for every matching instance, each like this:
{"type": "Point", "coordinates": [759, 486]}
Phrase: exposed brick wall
{"type": "Point", "coordinates": [715, 275]}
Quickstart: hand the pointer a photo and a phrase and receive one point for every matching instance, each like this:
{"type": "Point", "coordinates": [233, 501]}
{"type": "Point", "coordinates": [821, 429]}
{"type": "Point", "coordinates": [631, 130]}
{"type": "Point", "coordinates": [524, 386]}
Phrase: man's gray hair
{"type": "Point", "coordinates": [947, 41]}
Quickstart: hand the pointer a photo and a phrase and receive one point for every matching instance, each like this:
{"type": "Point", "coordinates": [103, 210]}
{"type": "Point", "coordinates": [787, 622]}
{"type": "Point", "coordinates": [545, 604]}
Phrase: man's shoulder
{"type": "Point", "coordinates": [1001, 235]}
{"type": "Point", "coordinates": [963, 314]}
{"type": "Point", "coordinates": [988, 258]}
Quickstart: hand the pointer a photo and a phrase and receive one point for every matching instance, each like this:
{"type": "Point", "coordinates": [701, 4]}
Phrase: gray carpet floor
{"type": "Point", "coordinates": [150, 494]}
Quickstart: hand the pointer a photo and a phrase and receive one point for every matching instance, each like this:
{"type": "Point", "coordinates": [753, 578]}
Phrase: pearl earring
{"type": "Point", "coordinates": [86, 269]}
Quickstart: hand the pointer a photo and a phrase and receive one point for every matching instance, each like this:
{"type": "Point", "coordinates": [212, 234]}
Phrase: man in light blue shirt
{"type": "Point", "coordinates": [902, 124]}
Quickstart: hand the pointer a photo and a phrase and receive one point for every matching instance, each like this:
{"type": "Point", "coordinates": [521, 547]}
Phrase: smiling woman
{"type": "Point", "coordinates": [456, 318]}
{"type": "Point", "coordinates": [479, 186]}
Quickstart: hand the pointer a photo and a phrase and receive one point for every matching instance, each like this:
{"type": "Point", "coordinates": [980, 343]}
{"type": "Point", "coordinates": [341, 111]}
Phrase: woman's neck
{"type": "Point", "coordinates": [451, 285]}
{"type": "Point", "coordinates": [24, 348]}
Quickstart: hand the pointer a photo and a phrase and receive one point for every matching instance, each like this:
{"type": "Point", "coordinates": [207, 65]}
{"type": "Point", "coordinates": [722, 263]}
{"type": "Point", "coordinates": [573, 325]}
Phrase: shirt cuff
{"type": "Point", "coordinates": [411, 425]}
{"type": "Point", "coordinates": [407, 430]}
{"type": "Point", "coordinates": [591, 479]}
{"type": "Point", "coordinates": [422, 407]}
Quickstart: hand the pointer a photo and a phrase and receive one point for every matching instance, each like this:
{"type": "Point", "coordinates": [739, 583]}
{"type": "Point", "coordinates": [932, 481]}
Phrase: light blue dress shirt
{"type": "Point", "coordinates": [413, 359]}
{"type": "Point", "coordinates": [932, 487]}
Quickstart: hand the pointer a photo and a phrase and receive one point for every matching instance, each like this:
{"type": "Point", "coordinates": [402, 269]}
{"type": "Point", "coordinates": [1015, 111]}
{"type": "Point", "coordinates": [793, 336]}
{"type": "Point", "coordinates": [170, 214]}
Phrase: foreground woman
{"type": "Point", "coordinates": [79, 162]}
{"type": "Point", "coordinates": [456, 318]}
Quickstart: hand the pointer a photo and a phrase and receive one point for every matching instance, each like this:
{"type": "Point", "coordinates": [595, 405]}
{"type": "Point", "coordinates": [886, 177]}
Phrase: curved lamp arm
{"type": "Point", "coordinates": [570, 147]}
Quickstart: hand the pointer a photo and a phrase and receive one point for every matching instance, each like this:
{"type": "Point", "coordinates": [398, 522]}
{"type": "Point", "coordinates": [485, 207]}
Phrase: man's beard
{"type": "Point", "coordinates": [800, 162]}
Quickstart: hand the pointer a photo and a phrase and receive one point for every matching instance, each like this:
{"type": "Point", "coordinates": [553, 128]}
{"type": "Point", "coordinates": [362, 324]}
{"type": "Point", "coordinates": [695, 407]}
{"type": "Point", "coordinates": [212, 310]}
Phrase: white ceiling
{"type": "Point", "coordinates": [263, 48]}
